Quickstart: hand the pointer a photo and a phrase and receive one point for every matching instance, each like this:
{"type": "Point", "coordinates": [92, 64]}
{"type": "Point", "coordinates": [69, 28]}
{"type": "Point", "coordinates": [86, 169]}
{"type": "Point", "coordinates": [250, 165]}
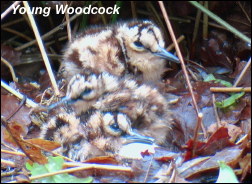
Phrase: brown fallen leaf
{"type": "Point", "coordinates": [233, 130]}
{"type": "Point", "coordinates": [14, 130]}
{"type": "Point", "coordinates": [245, 165]}
{"type": "Point", "coordinates": [230, 155]}
{"type": "Point", "coordinates": [218, 141]}
{"type": "Point", "coordinates": [45, 144]}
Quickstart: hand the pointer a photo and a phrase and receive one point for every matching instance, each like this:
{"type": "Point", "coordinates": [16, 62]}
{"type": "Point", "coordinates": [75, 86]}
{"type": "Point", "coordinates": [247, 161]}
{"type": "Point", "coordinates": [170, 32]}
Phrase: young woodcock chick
{"type": "Point", "coordinates": [145, 106]}
{"type": "Point", "coordinates": [101, 133]}
{"type": "Point", "coordinates": [126, 48]}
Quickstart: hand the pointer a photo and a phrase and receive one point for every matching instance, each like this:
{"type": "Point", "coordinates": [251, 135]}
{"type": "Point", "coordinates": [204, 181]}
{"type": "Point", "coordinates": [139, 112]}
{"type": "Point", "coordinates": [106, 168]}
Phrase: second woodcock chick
{"type": "Point", "coordinates": [98, 134]}
{"type": "Point", "coordinates": [145, 106]}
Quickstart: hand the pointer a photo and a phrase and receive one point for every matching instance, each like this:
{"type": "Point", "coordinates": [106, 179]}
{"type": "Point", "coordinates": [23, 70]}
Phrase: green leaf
{"type": "Point", "coordinates": [230, 100]}
{"type": "Point", "coordinates": [226, 174]}
{"type": "Point", "coordinates": [54, 164]}
{"type": "Point", "coordinates": [224, 83]}
{"type": "Point", "coordinates": [210, 77]}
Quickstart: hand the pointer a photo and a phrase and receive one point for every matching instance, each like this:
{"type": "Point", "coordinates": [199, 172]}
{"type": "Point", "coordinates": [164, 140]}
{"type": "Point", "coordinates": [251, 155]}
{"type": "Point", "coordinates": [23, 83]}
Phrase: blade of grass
{"type": "Point", "coordinates": [196, 26]}
{"type": "Point", "coordinates": [245, 69]}
{"type": "Point", "coordinates": [205, 22]}
{"type": "Point", "coordinates": [222, 22]}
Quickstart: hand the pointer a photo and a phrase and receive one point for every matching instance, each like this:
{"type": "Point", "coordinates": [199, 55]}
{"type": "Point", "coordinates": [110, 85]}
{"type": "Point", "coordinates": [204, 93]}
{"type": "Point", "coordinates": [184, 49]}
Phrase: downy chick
{"type": "Point", "coordinates": [100, 134]}
{"type": "Point", "coordinates": [146, 107]}
{"type": "Point", "coordinates": [126, 48]}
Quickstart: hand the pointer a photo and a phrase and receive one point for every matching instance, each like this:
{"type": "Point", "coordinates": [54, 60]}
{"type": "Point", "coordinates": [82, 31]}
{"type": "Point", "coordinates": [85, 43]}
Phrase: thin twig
{"type": "Point", "coordinates": [7, 146]}
{"type": "Point", "coordinates": [46, 35]}
{"type": "Point", "coordinates": [244, 11]}
{"type": "Point", "coordinates": [218, 122]}
{"type": "Point", "coordinates": [17, 33]}
{"type": "Point", "coordinates": [29, 102]}
{"type": "Point", "coordinates": [148, 170]}
{"type": "Point", "coordinates": [69, 34]}
{"type": "Point", "coordinates": [230, 89]}
{"type": "Point", "coordinates": [174, 172]}
{"type": "Point", "coordinates": [9, 9]}
{"type": "Point", "coordinates": [14, 78]}
{"type": "Point", "coordinates": [11, 173]}
{"type": "Point", "coordinates": [7, 162]}
{"type": "Point", "coordinates": [195, 136]}
{"type": "Point", "coordinates": [247, 66]}
{"type": "Point", "coordinates": [42, 49]}
{"type": "Point", "coordinates": [178, 53]}
{"type": "Point", "coordinates": [161, 4]}
{"type": "Point", "coordinates": [83, 167]}
{"type": "Point", "coordinates": [54, 41]}
{"type": "Point", "coordinates": [13, 22]}
{"type": "Point", "coordinates": [133, 9]}
{"type": "Point", "coordinates": [13, 152]}
{"type": "Point", "coordinates": [171, 46]}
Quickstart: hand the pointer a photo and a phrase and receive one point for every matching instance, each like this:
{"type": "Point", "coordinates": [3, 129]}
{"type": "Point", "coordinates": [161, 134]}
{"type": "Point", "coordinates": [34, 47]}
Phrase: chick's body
{"type": "Point", "coordinates": [146, 107]}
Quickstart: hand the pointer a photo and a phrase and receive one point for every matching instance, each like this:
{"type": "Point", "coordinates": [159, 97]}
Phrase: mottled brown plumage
{"type": "Point", "coordinates": [102, 133]}
{"type": "Point", "coordinates": [127, 48]}
{"type": "Point", "coordinates": [146, 107]}
{"type": "Point", "coordinates": [109, 71]}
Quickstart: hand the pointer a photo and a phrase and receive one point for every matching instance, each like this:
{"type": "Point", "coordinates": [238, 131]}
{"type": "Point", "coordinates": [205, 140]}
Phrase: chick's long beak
{"type": "Point", "coordinates": [135, 137]}
{"type": "Point", "coordinates": [167, 55]}
{"type": "Point", "coordinates": [63, 100]}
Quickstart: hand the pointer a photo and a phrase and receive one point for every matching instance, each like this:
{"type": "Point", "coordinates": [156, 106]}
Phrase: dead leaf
{"type": "Point", "coordinates": [230, 155]}
{"type": "Point", "coordinates": [218, 141]}
{"type": "Point", "coordinates": [245, 164]}
{"type": "Point", "coordinates": [48, 145]}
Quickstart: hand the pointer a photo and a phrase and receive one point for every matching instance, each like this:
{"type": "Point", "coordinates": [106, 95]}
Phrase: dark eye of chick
{"type": "Point", "coordinates": [115, 127]}
{"type": "Point", "coordinates": [86, 92]}
{"type": "Point", "coordinates": [138, 44]}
